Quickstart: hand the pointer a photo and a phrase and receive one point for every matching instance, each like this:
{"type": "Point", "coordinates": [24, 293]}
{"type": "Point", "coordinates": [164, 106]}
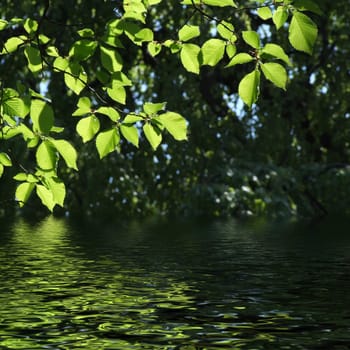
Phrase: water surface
{"type": "Point", "coordinates": [76, 285]}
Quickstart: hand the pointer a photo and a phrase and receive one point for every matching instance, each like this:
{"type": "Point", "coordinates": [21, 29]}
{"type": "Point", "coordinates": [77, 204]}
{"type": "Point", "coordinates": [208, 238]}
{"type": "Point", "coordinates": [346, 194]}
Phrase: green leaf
{"type": "Point", "coordinates": [12, 104]}
{"type": "Point", "coordinates": [220, 3]}
{"type": "Point", "coordinates": [20, 177]}
{"type": "Point", "coordinates": [130, 133]}
{"type": "Point", "coordinates": [1, 170]}
{"type": "Point", "coordinates": [84, 107]}
{"type": "Point", "coordinates": [46, 196]}
{"type": "Point", "coordinates": [5, 160]}
{"type": "Point", "coordinates": [213, 51]}
{"type": "Point", "coordinates": [276, 51]}
{"type": "Point", "coordinates": [280, 17]}
{"type": "Point", "coordinates": [153, 108]}
{"type": "Point", "coordinates": [110, 112]}
{"type": "Point", "coordinates": [111, 59]}
{"type": "Point", "coordinates": [307, 5]}
{"type": "Point", "coordinates": [30, 26]}
{"type": "Point", "coordinates": [153, 135]}
{"type": "Point", "coordinates": [251, 38]}
{"type": "Point", "coordinates": [13, 43]}
{"type": "Point", "coordinates": [60, 64]}
{"type": "Point", "coordinates": [190, 57]}
{"type": "Point", "coordinates": [188, 32]}
{"type": "Point", "coordinates": [231, 50]}
{"type": "Point", "coordinates": [86, 33]}
{"type": "Point", "coordinates": [107, 142]}
{"type": "Point", "coordinates": [226, 31]}
{"type": "Point", "coordinates": [58, 190]}
{"type": "Point", "coordinates": [41, 115]}
{"type": "Point", "coordinates": [145, 34]}
{"type": "Point", "coordinates": [3, 24]}
{"type": "Point", "coordinates": [240, 58]}
{"type": "Point", "coordinates": [88, 127]}
{"type": "Point", "coordinates": [46, 156]}
{"type": "Point", "coordinates": [131, 119]}
{"type": "Point", "coordinates": [175, 124]}
{"type": "Point", "coordinates": [248, 88]}
{"type": "Point", "coordinates": [67, 151]}
{"type": "Point", "coordinates": [264, 13]}
{"type": "Point", "coordinates": [83, 49]}
{"type": "Point", "coordinates": [117, 93]}
{"type": "Point", "coordinates": [34, 59]}
{"type": "Point", "coordinates": [154, 48]}
{"type": "Point", "coordinates": [23, 192]}
{"type": "Point", "coordinates": [275, 73]}
{"type": "Point", "coordinates": [75, 78]}
{"type": "Point", "coordinates": [302, 32]}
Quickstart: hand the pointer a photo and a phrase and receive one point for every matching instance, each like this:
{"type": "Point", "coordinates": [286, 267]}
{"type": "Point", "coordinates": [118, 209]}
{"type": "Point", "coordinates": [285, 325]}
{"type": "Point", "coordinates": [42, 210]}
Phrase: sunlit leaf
{"type": "Point", "coordinates": [153, 135]}
{"type": "Point", "coordinates": [107, 142]}
{"type": "Point", "coordinates": [175, 124]}
{"type": "Point", "coordinates": [130, 133]}
{"type": "Point", "coordinates": [67, 151]}
{"type": "Point", "coordinates": [188, 32]}
{"type": "Point", "coordinates": [213, 51]}
{"type": "Point", "coordinates": [5, 159]}
{"type": "Point", "coordinates": [190, 57]}
{"type": "Point", "coordinates": [46, 196]}
{"type": "Point", "coordinates": [302, 32]}
{"type": "Point", "coordinates": [46, 156]}
{"type": "Point", "coordinates": [275, 73]}
{"type": "Point", "coordinates": [41, 115]}
{"type": "Point", "coordinates": [23, 192]}
{"type": "Point", "coordinates": [248, 88]}
{"type": "Point", "coordinates": [88, 127]}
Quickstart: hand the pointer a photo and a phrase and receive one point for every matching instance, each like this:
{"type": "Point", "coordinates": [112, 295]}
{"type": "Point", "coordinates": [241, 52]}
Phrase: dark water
{"type": "Point", "coordinates": [218, 286]}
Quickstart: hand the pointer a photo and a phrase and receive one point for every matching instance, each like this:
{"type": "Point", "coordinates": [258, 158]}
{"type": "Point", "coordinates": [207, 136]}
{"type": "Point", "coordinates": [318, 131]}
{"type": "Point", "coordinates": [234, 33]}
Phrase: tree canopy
{"type": "Point", "coordinates": [95, 97]}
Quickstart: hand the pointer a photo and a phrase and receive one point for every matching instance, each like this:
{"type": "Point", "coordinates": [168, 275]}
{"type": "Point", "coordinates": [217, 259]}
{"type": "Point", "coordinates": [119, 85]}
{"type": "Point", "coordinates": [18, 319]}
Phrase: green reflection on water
{"type": "Point", "coordinates": [169, 288]}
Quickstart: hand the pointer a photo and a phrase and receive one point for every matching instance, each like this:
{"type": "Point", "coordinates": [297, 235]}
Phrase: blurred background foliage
{"type": "Point", "coordinates": [288, 156]}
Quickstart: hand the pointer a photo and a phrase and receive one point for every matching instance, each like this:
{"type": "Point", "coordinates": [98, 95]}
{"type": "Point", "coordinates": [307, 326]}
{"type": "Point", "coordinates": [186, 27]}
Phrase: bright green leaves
{"type": "Point", "coordinates": [280, 16]}
{"type": "Point", "coordinates": [302, 32]}
{"type": "Point", "coordinates": [83, 49]}
{"type": "Point", "coordinates": [251, 38]}
{"type": "Point", "coordinates": [42, 116]}
{"type": "Point", "coordinates": [275, 73]}
{"type": "Point", "coordinates": [84, 106]}
{"type": "Point", "coordinates": [107, 142]}
{"type": "Point", "coordinates": [75, 77]}
{"type": "Point", "coordinates": [12, 104]}
{"type": "Point", "coordinates": [175, 124]}
{"type": "Point", "coordinates": [88, 127]}
{"type": "Point", "coordinates": [130, 133]}
{"type": "Point", "coordinates": [276, 51]}
{"type": "Point", "coordinates": [188, 32]}
{"type": "Point", "coordinates": [67, 151]}
{"type": "Point", "coordinates": [23, 192]}
{"type": "Point", "coordinates": [219, 3]}
{"type": "Point", "coordinates": [240, 58]}
{"type": "Point", "coordinates": [153, 135]}
{"type": "Point", "coordinates": [5, 161]}
{"type": "Point", "coordinates": [248, 88]}
{"type": "Point", "coordinates": [34, 59]}
{"type": "Point", "coordinates": [190, 57]}
{"type": "Point", "coordinates": [264, 13]}
{"type": "Point", "coordinates": [46, 156]}
{"type": "Point", "coordinates": [213, 51]}
{"type": "Point", "coordinates": [111, 59]}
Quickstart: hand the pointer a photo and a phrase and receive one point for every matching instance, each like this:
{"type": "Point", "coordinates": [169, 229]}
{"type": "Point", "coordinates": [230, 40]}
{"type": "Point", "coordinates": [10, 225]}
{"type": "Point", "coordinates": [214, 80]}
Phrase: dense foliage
{"type": "Point", "coordinates": [96, 95]}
